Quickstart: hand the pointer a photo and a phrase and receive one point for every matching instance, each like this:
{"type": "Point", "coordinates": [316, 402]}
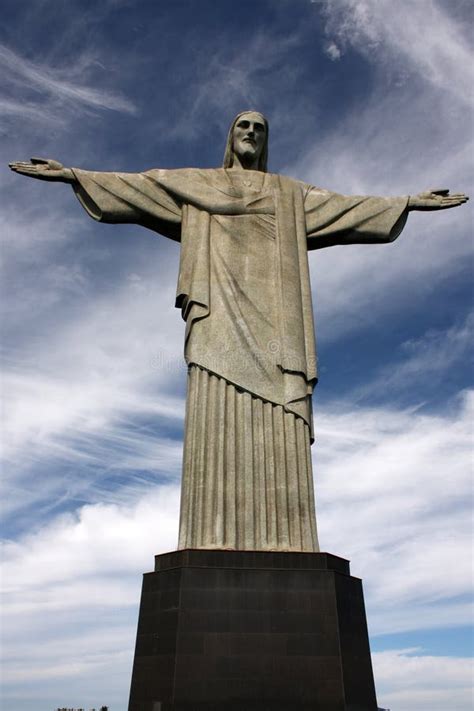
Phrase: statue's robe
{"type": "Point", "coordinates": [244, 292]}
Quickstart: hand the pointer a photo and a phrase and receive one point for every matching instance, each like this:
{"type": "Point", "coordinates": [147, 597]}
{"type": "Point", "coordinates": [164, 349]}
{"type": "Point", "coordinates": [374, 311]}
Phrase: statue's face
{"type": "Point", "coordinates": [249, 137]}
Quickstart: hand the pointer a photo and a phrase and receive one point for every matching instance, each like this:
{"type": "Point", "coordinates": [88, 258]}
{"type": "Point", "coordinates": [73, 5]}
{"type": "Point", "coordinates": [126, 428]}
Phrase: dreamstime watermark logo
{"type": "Point", "coordinates": [167, 362]}
{"type": "Point", "coordinates": [221, 358]}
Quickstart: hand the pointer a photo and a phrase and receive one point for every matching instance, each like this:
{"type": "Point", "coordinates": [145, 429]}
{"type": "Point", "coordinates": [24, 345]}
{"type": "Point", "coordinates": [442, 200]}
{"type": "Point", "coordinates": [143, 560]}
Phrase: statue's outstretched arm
{"type": "Point", "coordinates": [44, 169]}
{"type": "Point", "coordinates": [114, 198]}
{"type": "Point", "coordinates": [438, 199]}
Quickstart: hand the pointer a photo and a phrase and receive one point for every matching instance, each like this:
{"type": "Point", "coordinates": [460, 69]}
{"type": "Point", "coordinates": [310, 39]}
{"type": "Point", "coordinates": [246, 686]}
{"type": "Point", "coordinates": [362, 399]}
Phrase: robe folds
{"type": "Point", "coordinates": [244, 292]}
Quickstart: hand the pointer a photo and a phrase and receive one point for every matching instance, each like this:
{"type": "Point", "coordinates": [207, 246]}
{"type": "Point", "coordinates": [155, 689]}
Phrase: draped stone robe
{"type": "Point", "coordinates": [244, 292]}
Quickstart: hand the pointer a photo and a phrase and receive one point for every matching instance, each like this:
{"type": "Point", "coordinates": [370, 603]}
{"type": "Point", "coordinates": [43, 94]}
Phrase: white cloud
{"type": "Point", "coordinates": [93, 363]}
{"type": "Point", "coordinates": [75, 584]}
{"type": "Point", "coordinates": [71, 670]}
{"type": "Point", "coordinates": [75, 551]}
{"type": "Point", "coordinates": [398, 139]}
{"type": "Point", "coordinates": [238, 77]}
{"type": "Point", "coordinates": [30, 111]}
{"type": "Point", "coordinates": [407, 534]}
{"type": "Point", "coordinates": [409, 680]}
{"type": "Point", "coordinates": [357, 286]}
{"type": "Point", "coordinates": [333, 51]}
{"type": "Point", "coordinates": [422, 359]}
{"type": "Point", "coordinates": [405, 478]}
{"type": "Point", "coordinates": [60, 83]}
{"type": "Point", "coordinates": [397, 143]}
{"type": "Point", "coordinates": [85, 398]}
{"type": "Point", "coordinates": [423, 35]}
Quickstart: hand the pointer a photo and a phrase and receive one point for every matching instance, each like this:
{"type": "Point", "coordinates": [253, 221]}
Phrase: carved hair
{"type": "Point", "coordinates": [229, 151]}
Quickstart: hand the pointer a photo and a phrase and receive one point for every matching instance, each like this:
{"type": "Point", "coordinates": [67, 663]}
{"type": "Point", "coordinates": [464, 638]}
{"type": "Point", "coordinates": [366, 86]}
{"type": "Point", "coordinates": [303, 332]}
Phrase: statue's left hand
{"type": "Point", "coordinates": [436, 200]}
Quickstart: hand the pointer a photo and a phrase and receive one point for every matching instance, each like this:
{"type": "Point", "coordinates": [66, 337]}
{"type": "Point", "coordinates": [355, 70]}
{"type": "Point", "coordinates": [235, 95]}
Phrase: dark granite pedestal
{"type": "Point", "coordinates": [251, 631]}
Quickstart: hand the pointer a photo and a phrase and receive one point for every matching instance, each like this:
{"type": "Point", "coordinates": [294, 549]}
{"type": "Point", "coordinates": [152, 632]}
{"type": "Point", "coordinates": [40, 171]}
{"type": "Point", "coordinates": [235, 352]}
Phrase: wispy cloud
{"type": "Point", "coordinates": [354, 286]}
{"type": "Point", "coordinates": [427, 358]}
{"type": "Point", "coordinates": [86, 398]}
{"type": "Point", "coordinates": [55, 83]}
{"type": "Point", "coordinates": [238, 77]}
{"type": "Point", "coordinates": [93, 373]}
{"type": "Point", "coordinates": [400, 138]}
{"type": "Point", "coordinates": [393, 144]}
{"type": "Point", "coordinates": [30, 111]}
{"type": "Point", "coordinates": [380, 27]}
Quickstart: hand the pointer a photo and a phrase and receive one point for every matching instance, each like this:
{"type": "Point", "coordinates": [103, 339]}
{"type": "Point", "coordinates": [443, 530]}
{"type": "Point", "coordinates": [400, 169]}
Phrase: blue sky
{"type": "Point", "coordinates": [363, 97]}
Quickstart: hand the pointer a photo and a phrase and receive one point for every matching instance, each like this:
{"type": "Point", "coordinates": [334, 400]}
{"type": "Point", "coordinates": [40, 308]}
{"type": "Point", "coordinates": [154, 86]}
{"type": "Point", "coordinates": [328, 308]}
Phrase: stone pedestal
{"type": "Point", "coordinates": [251, 631]}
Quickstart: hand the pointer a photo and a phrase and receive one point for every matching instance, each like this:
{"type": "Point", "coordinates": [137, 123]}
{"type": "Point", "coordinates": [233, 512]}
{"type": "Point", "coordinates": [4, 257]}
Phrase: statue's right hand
{"type": "Point", "coordinates": [43, 169]}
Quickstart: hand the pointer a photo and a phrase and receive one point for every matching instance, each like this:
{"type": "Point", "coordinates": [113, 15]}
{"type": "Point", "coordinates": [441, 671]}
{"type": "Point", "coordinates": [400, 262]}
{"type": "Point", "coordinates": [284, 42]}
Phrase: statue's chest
{"type": "Point", "coordinates": [245, 183]}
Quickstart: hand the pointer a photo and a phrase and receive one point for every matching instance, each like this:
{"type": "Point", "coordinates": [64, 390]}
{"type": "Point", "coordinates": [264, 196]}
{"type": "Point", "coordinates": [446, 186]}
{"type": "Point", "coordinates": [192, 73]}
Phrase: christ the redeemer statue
{"type": "Point", "coordinates": [244, 292]}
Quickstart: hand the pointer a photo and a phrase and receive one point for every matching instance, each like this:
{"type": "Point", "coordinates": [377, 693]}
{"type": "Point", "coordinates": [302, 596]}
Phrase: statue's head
{"type": "Point", "coordinates": [248, 138]}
